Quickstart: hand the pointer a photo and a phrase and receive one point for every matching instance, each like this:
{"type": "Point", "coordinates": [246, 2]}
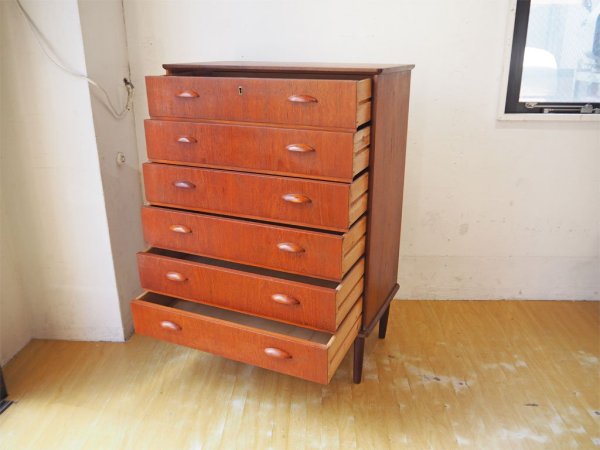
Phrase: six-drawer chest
{"type": "Point", "coordinates": [274, 205]}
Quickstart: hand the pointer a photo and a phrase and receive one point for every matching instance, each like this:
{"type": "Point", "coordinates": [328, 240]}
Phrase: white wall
{"type": "Point", "coordinates": [107, 63]}
{"type": "Point", "coordinates": [53, 203]}
{"type": "Point", "coordinates": [492, 209]}
{"type": "Point", "coordinates": [15, 326]}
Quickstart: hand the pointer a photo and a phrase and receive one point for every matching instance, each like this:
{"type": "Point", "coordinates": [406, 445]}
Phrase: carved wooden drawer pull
{"type": "Point", "coordinates": [300, 148]}
{"type": "Point", "coordinates": [168, 325]}
{"type": "Point", "coordinates": [285, 299]}
{"type": "Point", "coordinates": [277, 353]}
{"type": "Point", "coordinates": [302, 99]}
{"type": "Point", "coordinates": [180, 229]}
{"type": "Point", "coordinates": [175, 276]}
{"type": "Point", "coordinates": [187, 140]}
{"type": "Point", "coordinates": [188, 94]}
{"type": "Point", "coordinates": [290, 247]}
{"type": "Point", "coordinates": [182, 184]}
{"type": "Point", "coordinates": [296, 198]}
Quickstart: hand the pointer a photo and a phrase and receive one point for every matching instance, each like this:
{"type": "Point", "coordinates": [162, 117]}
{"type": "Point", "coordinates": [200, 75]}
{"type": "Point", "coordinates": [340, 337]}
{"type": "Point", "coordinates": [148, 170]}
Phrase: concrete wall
{"type": "Point", "coordinates": [492, 209]}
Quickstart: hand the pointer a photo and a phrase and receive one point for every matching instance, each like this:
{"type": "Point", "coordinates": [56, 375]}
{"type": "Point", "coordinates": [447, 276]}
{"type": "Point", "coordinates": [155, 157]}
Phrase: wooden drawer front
{"type": "Point", "coordinates": [307, 354]}
{"type": "Point", "coordinates": [306, 153]}
{"type": "Point", "coordinates": [297, 300]}
{"type": "Point", "coordinates": [321, 204]}
{"type": "Point", "coordinates": [323, 103]}
{"type": "Point", "coordinates": [312, 253]}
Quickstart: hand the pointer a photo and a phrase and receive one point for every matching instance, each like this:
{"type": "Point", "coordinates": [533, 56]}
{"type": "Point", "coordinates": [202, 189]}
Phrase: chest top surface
{"type": "Point", "coordinates": [206, 68]}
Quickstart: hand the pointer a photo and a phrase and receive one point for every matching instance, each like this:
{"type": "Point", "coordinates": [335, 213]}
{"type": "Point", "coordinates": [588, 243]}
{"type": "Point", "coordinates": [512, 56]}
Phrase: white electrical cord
{"type": "Point", "coordinates": [51, 54]}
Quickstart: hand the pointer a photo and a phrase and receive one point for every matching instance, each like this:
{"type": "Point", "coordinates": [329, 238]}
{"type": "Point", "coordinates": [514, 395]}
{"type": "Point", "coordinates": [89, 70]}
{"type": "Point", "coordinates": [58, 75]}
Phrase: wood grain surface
{"type": "Point", "coordinates": [386, 187]}
{"type": "Point", "coordinates": [322, 254]}
{"type": "Point", "coordinates": [318, 204]}
{"type": "Point", "coordinates": [286, 68]}
{"type": "Point", "coordinates": [325, 155]}
{"type": "Point", "coordinates": [216, 117]}
{"type": "Point", "coordinates": [301, 301]}
{"type": "Point", "coordinates": [258, 100]}
{"type": "Point", "coordinates": [310, 355]}
{"type": "Point", "coordinates": [450, 375]}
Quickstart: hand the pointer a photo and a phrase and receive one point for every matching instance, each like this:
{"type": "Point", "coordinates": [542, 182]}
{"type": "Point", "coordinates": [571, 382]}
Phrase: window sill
{"type": "Point", "coordinates": [553, 117]}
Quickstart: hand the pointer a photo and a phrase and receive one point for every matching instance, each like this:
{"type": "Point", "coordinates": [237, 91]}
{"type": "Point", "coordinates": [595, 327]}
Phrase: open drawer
{"type": "Point", "coordinates": [326, 103]}
{"type": "Point", "coordinates": [327, 155]}
{"type": "Point", "coordinates": [318, 254]}
{"type": "Point", "coordinates": [296, 201]}
{"type": "Point", "coordinates": [307, 354]}
{"type": "Point", "coordinates": [298, 300]}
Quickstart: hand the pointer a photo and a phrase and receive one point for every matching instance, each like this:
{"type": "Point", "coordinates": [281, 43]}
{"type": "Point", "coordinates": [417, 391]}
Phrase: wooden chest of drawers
{"type": "Point", "coordinates": [274, 208]}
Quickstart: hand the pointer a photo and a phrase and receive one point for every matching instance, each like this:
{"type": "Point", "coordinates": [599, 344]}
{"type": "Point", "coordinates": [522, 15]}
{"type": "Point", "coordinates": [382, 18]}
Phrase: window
{"type": "Point", "coordinates": [555, 59]}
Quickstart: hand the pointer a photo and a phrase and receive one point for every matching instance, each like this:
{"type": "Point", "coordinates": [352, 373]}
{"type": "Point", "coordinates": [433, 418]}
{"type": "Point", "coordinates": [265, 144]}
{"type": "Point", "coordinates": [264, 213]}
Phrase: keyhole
{"type": "Point", "coordinates": [240, 90]}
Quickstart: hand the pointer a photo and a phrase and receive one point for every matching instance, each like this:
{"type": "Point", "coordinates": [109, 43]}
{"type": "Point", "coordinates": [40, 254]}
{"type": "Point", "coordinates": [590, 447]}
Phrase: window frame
{"type": "Point", "coordinates": [512, 105]}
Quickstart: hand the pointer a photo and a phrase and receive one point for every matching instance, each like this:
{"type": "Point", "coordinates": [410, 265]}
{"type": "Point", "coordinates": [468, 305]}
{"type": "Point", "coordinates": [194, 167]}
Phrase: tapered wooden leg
{"type": "Point", "coordinates": [383, 323]}
{"type": "Point", "coordinates": [359, 352]}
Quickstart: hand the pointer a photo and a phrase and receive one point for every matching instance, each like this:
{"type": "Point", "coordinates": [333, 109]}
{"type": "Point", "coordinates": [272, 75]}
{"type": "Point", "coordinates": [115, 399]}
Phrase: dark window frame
{"type": "Point", "coordinates": [515, 73]}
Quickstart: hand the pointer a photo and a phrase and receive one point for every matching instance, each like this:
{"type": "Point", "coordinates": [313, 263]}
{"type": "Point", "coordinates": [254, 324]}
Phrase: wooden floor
{"type": "Point", "coordinates": [481, 375]}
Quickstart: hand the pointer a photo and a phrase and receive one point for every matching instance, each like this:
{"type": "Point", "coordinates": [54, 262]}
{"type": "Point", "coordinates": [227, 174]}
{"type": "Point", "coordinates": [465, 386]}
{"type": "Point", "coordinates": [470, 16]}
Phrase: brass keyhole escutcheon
{"type": "Point", "coordinates": [240, 90]}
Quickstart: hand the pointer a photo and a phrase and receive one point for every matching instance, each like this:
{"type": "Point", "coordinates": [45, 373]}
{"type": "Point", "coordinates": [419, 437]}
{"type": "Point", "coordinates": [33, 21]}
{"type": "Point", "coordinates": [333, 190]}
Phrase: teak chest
{"type": "Point", "coordinates": [274, 198]}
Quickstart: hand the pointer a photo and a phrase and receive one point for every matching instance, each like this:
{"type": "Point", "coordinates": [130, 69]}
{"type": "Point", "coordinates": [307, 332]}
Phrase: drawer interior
{"type": "Point", "coordinates": [290, 331]}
